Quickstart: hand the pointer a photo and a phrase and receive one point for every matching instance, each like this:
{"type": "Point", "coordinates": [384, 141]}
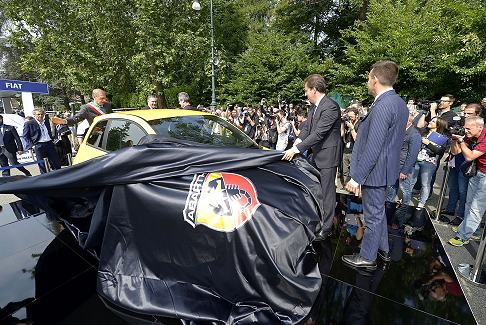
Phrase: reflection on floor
{"type": "Point", "coordinates": [417, 286]}
{"type": "Point", "coordinates": [47, 279]}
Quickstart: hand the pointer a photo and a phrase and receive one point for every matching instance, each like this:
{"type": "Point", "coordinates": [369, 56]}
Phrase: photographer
{"type": "Point", "coordinates": [408, 156]}
{"type": "Point", "coordinates": [443, 110]}
{"type": "Point", "coordinates": [349, 128]}
{"type": "Point", "coordinates": [297, 125]}
{"type": "Point", "coordinates": [283, 130]}
{"type": "Point", "coordinates": [457, 182]}
{"type": "Point", "coordinates": [247, 121]}
{"type": "Point", "coordinates": [433, 147]}
{"type": "Point", "coordinates": [473, 147]}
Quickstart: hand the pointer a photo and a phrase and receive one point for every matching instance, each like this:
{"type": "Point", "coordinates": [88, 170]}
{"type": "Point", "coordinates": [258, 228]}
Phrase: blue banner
{"type": "Point", "coordinates": [24, 86]}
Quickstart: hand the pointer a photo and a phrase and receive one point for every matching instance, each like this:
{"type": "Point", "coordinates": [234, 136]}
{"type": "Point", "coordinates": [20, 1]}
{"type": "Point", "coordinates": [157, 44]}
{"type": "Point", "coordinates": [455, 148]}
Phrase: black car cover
{"type": "Point", "coordinates": [193, 232]}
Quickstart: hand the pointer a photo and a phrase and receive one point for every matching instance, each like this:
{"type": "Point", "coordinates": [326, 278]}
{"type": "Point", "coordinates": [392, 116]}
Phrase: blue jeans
{"type": "Point", "coordinates": [405, 186]}
{"type": "Point", "coordinates": [457, 184]}
{"type": "Point", "coordinates": [426, 171]}
{"type": "Point", "coordinates": [475, 206]}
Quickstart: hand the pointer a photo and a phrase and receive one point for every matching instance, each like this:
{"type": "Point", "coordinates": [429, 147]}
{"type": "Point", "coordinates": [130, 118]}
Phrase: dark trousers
{"type": "Point", "coordinates": [328, 184]}
{"type": "Point", "coordinates": [376, 233]}
{"type": "Point", "coordinates": [47, 150]}
{"type": "Point", "coordinates": [10, 159]}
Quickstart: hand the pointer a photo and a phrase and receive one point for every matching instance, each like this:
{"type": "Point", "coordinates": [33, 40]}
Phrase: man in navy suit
{"type": "Point", "coordinates": [321, 134]}
{"type": "Point", "coordinates": [375, 161]}
{"type": "Point", "coordinates": [37, 132]}
{"type": "Point", "coordinates": [10, 145]}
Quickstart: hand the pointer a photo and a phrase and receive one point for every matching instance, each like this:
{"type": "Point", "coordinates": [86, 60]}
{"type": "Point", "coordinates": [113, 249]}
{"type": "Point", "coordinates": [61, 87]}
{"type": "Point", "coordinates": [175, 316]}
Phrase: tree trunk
{"type": "Point", "coordinates": [364, 10]}
{"type": "Point", "coordinates": [159, 91]}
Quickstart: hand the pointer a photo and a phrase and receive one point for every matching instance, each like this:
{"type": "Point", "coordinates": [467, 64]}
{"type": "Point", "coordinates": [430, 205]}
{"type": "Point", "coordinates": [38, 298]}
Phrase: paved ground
{"type": "Point", "coordinates": [7, 198]}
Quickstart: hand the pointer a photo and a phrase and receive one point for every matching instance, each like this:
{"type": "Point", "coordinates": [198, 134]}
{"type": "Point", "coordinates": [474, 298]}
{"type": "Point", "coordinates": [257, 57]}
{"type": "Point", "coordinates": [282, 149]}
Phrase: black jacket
{"type": "Point", "coordinates": [11, 139]}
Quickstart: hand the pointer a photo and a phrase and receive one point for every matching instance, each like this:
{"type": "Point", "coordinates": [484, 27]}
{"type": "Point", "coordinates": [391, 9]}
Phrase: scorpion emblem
{"type": "Point", "coordinates": [228, 193]}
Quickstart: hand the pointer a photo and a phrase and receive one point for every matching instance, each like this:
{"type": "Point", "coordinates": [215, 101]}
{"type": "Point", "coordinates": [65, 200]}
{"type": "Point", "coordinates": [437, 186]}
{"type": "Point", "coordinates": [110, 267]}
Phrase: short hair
{"type": "Point", "coordinates": [317, 82]}
{"type": "Point", "coordinates": [151, 97]}
{"type": "Point", "coordinates": [477, 108]}
{"type": "Point", "coordinates": [479, 121]}
{"type": "Point", "coordinates": [183, 96]}
{"type": "Point", "coordinates": [300, 112]}
{"type": "Point", "coordinates": [451, 98]}
{"type": "Point", "coordinates": [386, 72]}
{"type": "Point", "coordinates": [96, 92]}
{"type": "Point", "coordinates": [39, 109]}
{"type": "Point", "coordinates": [353, 109]}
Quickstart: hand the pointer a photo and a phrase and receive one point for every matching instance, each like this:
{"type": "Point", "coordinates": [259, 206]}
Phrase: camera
{"type": "Point", "coordinates": [345, 118]}
{"type": "Point", "coordinates": [457, 129]}
{"type": "Point", "coordinates": [424, 105]}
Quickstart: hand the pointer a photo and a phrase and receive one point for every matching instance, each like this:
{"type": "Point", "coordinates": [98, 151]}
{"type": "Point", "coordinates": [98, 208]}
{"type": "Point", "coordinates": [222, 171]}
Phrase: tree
{"type": "Point", "coordinates": [439, 45]}
{"type": "Point", "coordinates": [273, 67]}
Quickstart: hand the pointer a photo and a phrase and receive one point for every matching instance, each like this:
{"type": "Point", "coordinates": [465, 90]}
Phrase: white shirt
{"type": "Point", "coordinates": [299, 140]}
{"type": "Point", "coordinates": [44, 133]}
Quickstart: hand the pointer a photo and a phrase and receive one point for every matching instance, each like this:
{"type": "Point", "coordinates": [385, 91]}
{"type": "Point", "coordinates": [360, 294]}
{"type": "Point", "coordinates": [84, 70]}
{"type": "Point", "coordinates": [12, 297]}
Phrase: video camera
{"type": "Point", "coordinates": [424, 105]}
{"type": "Point", "coordinates": [457, 128]}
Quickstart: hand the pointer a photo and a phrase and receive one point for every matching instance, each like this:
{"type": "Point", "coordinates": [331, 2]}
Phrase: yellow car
{"type": "Point", "coordinates": [114, 131]}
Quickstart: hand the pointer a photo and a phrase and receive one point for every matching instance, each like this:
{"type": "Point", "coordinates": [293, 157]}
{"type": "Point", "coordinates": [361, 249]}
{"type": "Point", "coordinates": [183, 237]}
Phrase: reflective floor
{"type": "Point", "coordinates": [45, 278]}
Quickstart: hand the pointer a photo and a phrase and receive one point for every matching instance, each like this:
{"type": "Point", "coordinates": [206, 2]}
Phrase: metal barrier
{"type": "Point", "coordinates": [442, 192]}
{"type": "Point", "coordinates": [471, 273]}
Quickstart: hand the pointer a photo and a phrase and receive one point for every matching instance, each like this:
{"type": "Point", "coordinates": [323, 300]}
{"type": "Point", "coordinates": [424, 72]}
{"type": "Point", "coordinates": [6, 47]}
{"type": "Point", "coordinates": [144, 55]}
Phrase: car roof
{"type": "Point", "coordinates": [155, 114]}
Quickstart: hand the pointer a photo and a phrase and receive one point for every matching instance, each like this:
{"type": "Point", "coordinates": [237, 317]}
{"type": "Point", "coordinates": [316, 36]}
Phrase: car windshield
{"type": "Point", "coordinates": [205, 129]}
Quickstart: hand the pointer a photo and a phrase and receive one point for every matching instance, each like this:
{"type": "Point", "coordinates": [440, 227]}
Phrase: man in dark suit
{"type": "Point", "coordinates": [151, 102]}
{"type": "Point", "coordinates": [37, 132]}
{"type": "Point", "coordinates": [10, 145]}
{"type": "Point", "coordinates": [321, 134]}
{"type": "Point", "coordinates": [88, 111]}
{"type": "Point", "coordinates": [375, 161]}
{"type": "Point", "coordinates": [183, 98]}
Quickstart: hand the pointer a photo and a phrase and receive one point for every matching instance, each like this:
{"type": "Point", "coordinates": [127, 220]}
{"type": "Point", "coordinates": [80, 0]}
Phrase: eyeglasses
{"type": "Point", "coordinates": [445, 101]}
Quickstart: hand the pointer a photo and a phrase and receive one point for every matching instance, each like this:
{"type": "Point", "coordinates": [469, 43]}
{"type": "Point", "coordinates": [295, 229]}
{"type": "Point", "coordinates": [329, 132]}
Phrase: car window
{"type": "Point", "coordinates": [123, 133]}
{"type": "Point", "coordinates": [96, 135]}
{"type": "Point", "coordinates": [204, 129]}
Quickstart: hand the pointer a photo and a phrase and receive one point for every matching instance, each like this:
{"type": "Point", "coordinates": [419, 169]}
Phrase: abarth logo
{"type": "Point", "coordinates": [220, 201]}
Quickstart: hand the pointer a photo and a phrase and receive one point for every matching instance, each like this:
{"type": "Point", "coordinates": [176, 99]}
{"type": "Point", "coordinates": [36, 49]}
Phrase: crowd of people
{"type": "Point", "coordinates": [381, 153]}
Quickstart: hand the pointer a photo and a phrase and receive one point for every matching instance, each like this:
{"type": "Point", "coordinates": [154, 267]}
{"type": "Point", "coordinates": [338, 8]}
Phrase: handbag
{"type": "Point", "coordinates": [469, 168]}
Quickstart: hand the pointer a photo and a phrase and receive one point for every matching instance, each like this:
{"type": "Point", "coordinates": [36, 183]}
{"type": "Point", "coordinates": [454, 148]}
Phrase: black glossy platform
{"type": "Point", "coordinates": [45, 278]}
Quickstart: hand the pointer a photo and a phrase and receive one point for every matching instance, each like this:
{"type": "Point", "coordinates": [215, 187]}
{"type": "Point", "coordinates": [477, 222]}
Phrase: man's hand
{"type": "Point", "coordinates": [57, 120]}
{"type": "Point", "coordinates": [353, 189]}
{"type": "Point", "coordinates": [458, 138]}
{"type": "Point", "coordinates": [403, 176]}
{"type": "Point", "coordinates": [425, 141]}
{"type": "Point", "coordinates": [433, 107]}
{"type": "Point", "coordinates": [288, 154]}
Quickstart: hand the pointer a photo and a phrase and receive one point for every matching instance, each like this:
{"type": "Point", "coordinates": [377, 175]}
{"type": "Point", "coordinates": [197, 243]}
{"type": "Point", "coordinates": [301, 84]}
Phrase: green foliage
{"type": "Point", "coordinates": [274, 66]}
{"type": "Point", "coordinates": [265, 48]}
{"type": "Point", "coordinates": [439, 44]}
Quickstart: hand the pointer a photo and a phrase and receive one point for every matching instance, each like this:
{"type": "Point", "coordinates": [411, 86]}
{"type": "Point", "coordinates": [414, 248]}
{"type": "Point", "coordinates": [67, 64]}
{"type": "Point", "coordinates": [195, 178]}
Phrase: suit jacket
{"type": "Point", "coordinates": [410, 149]}
{"type": "Point", "coordinates": [32, 131]}
{"type": "Point", "coordinates": [375, 160]}
{"type": "Point", "coordinates": [11, 139]}
{"type": "Point", "coordinates": [85, 113]}
{"type": "Point", "coordinates": [321, 132]}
